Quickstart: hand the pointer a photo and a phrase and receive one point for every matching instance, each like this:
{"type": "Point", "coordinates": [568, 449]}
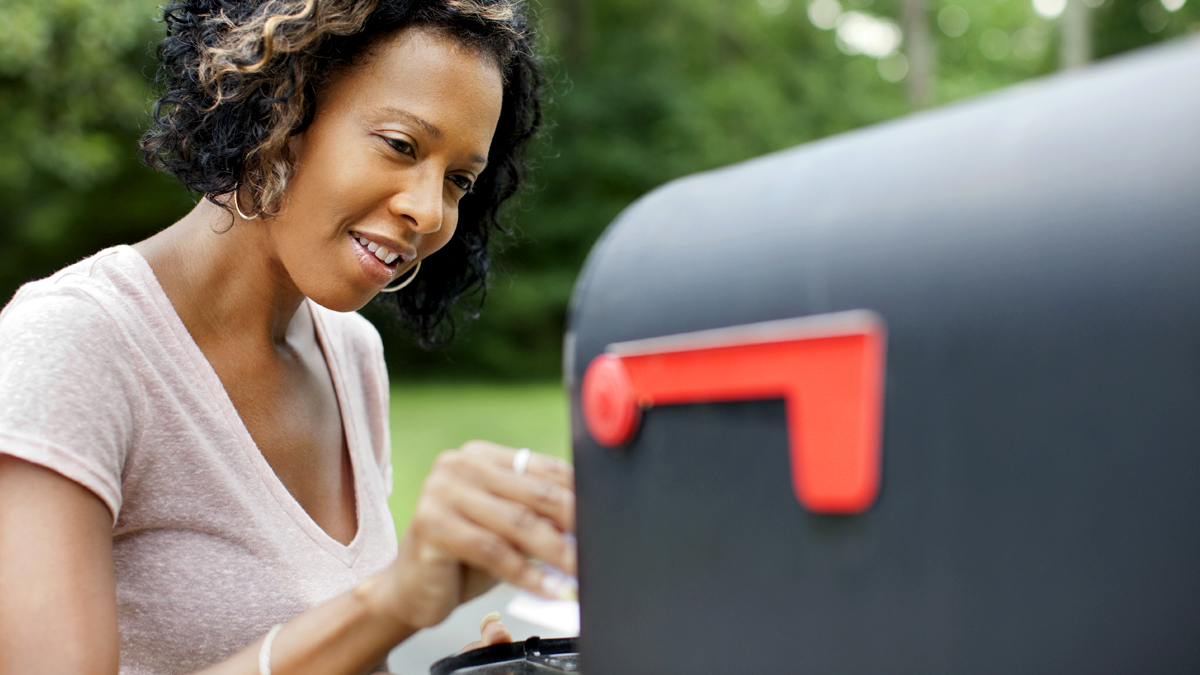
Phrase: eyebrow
{"type": "Point", "coordinates": [389, 111]}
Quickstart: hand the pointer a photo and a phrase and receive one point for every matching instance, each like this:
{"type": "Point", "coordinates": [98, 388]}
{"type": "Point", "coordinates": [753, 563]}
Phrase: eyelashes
{"type": "Point", "coordinates": [401, 146]}
{"type": "Point", "coordinates": [405, 148]}
{"type": "Point", "coordinates": [465, 184]}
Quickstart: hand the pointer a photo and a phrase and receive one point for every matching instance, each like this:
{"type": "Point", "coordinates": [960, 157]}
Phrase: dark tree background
{"type": "Point", "coordinates": [643, 91]}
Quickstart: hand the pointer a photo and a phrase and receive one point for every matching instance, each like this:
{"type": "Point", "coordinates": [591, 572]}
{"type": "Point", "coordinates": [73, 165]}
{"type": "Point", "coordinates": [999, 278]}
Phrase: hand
{"type": "Point", "coordinates": [477, 522]}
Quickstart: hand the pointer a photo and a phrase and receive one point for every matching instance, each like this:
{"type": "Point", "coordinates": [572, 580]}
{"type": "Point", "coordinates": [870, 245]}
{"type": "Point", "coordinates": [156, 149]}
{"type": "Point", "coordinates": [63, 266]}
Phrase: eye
{"type": "Point", "coordinates": [461, 182]}
{"type": "Point", "coordinates": [401, 146]}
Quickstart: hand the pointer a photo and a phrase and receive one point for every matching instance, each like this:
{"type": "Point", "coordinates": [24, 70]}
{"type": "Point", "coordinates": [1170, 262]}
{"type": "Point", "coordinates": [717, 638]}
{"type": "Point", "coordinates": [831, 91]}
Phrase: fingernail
{"type": "Point", "coordinates": [562, 588]}
{"type": "Point", "coordinates": [488, 618]}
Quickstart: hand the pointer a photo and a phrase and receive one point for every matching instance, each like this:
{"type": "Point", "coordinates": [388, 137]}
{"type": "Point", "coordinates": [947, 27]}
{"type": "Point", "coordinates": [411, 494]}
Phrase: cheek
{"type": "Point", "coordinates": [329, 176]}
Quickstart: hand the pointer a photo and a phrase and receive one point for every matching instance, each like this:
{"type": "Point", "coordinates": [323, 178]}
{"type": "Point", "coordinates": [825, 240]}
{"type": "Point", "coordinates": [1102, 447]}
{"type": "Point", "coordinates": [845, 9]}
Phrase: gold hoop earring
{"type": "Point", "coordinates": [409, 280]}
{"type": "Point", "coordinates": [237, 207]}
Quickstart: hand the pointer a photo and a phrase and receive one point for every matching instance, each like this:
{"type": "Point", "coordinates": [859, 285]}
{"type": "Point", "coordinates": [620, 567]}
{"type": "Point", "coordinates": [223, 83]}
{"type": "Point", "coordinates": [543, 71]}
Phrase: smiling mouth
{"type": "Point", "coordinates": [385, 256]}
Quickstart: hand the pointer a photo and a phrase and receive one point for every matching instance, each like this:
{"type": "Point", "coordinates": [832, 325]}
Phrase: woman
{"type": "Point", "coordinates": [194, 449]}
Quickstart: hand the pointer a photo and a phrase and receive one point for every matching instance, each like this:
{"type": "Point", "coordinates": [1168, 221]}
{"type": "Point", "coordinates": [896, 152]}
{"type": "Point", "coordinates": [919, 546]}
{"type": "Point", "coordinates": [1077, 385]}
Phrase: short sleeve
{"type": "Point", "coordinates": [69, 395]}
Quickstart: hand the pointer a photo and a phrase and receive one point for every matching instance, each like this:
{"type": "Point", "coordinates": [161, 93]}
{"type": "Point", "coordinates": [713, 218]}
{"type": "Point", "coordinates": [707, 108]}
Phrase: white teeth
{"type": "Point", "coordinates": [381, 252]}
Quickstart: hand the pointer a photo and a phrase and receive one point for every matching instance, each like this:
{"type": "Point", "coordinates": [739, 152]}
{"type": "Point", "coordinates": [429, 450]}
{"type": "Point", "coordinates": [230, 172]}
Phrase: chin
{"type": "Point", "coordinates": [342, 302]}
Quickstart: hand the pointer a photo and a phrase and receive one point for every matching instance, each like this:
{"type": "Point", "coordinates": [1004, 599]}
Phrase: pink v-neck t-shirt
{"type": "Point", "coordinates": [101, 382]}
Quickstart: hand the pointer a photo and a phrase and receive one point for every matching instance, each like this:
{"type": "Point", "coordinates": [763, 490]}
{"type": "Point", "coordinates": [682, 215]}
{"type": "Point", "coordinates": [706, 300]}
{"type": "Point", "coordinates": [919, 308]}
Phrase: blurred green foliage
{"type": "Point", "coordinates": [429, 417]}
{"type": "Point", "coordinates": [643, 91]}
{"type": "Point", "coordinates": [74, 84]}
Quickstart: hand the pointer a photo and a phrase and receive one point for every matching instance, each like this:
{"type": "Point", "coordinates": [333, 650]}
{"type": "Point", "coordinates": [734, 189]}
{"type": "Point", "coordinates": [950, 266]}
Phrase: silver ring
{"type": "Point", "coordinates": [521, 461]}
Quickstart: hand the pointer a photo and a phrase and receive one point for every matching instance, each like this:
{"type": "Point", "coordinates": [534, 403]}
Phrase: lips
{"type": "Point", "coordinates": [380, 258]}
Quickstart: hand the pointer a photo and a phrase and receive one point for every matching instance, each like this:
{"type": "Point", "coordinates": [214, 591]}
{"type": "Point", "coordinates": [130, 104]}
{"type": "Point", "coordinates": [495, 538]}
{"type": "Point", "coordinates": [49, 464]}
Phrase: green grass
{"type": "Point", "coordinates": [428, 418]}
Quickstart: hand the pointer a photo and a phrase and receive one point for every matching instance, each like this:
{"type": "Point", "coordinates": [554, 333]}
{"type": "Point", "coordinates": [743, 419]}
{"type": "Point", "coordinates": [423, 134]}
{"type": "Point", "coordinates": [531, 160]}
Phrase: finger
{"type": "Point", "coordinates": [491, 631]}
{"type": "Point", "coordinates": [551, 469]}
{"type": "Point", "coordinates": [489, 552]}
{"type": "Point", "coordinates": [540, 466]}
{"type": "Point", "coordinates": [548, 499]}
{"type": "Point", "coordinates": [494, 632]}
{"type": "Point", "coordinates": [532, 533]}
{"type": "Point", "coordinates": [474, 645]}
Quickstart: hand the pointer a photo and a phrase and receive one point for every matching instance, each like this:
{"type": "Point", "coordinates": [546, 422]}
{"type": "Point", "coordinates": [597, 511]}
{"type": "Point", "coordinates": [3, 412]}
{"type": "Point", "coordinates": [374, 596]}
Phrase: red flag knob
{"type": "Point", "coordinates": [609, 408]}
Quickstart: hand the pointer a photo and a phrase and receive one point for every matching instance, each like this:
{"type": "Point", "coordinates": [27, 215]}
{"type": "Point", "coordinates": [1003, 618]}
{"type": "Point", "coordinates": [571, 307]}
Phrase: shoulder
{"type": "Point", "coordinates": [84, 301]}
{"type": "Point", "coordinates": [64, 342]}
{"type": "Point", "coordinates": [67, 309]}
{"type": "Point", "coordinates": [53, 318]}
{"type": "Point", "coordinates": [74, 326]}
{"type": "Point", "coordinates": [70, 396]}
{"type": "Point", "coordinates": [76, 333]}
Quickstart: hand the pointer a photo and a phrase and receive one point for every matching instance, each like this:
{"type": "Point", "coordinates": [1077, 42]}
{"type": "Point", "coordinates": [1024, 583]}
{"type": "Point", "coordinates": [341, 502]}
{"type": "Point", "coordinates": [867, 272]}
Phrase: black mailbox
{"type": "Point", "coordinates": [922, 398]}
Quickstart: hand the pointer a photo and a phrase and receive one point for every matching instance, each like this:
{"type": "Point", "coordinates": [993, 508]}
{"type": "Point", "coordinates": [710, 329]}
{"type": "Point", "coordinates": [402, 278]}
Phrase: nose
{"type": "Point", "coordinates": [419, 203]}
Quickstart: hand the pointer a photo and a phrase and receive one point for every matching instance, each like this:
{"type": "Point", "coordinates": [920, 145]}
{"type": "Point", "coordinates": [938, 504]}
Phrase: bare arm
{"type": "Point", "coordinates": [476, 522]}
{"type": "Point", "coordinates": [58, 603]}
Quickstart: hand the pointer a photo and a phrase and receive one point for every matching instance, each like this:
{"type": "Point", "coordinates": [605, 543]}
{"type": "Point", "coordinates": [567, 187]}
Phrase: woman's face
{"type": "Point", "coordinates": [395, 143]}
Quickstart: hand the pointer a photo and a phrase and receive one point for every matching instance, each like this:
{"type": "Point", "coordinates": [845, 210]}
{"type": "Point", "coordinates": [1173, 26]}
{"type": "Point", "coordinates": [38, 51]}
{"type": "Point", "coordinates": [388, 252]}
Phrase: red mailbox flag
{"type": "Point", "coordinates": [828, 369]}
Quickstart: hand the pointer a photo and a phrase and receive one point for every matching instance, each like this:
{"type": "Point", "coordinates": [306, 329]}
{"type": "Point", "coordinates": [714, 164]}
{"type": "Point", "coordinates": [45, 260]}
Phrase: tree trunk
{"type": "Point", "coordinates": [919, 45]}
{"type": "Point", "coordinates": [1075, 46]}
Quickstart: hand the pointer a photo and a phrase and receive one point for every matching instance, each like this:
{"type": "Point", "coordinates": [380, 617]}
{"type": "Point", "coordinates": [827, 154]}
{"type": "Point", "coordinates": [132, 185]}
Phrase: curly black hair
{"type": "Point", "coordinates": [239, 79]}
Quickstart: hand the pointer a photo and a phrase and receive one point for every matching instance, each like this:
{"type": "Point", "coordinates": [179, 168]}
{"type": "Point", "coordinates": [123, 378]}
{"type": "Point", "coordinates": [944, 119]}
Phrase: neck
{"type": "Point", "coordinates": [224, 282]}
